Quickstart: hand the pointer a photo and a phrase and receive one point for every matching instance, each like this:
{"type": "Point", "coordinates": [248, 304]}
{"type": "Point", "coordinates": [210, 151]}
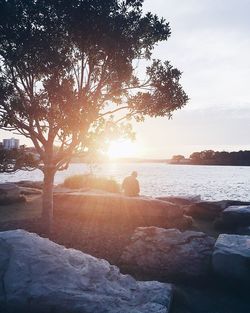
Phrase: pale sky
{"type": "Point", "coordinates": [210, 44]}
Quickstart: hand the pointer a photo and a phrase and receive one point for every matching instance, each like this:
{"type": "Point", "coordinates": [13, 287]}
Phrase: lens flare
{"type": "Point", "coordinates": [122, 149]}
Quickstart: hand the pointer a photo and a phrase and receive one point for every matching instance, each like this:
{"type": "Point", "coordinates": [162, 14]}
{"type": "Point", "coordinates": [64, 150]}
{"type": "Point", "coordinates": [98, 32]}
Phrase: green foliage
{"type": "Point", "coordinates": [91, 181]}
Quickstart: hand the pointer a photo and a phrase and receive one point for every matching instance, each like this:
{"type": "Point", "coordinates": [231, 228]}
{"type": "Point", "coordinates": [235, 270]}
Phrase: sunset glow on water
{"type": "Point", "coordinates": [157, 179]}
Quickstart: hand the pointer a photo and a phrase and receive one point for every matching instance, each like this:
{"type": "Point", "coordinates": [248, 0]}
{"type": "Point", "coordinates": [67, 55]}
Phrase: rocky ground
{"type": "Point", "coordinates": [110, 239]}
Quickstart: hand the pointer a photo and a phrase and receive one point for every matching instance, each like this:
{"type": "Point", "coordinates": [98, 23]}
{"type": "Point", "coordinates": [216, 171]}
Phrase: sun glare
{"type": "Point", "coordinates": [121, 149]}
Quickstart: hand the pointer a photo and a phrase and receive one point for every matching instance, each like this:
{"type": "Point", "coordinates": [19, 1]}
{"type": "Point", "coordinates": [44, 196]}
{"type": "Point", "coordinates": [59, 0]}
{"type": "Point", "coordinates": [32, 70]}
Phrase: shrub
{"type": "Point", "coordinates": [91, 181]}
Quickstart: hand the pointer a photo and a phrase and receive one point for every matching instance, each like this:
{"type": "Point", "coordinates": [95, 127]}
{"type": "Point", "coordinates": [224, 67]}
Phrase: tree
{"type": "Point", "coordinates": [17, 159]}
{"type": "Point", "coordinates": [195, 157]}
{"type": "Point", "coordinates": [202, 157]}
{"type": "Point", "coordinates": [178, 158]}
{"type": "Point", "coordinates": [68, 71]}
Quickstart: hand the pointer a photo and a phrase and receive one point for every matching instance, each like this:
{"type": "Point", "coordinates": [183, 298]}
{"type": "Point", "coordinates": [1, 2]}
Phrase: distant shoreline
{"type": "Point", "coordinates": [210, 164]}
{"type": "Point", "coordinates": [164, 161]}
{"type": "Point", "coordinates": [210, 157]}
{"type": "Point", "coordinates": [122, 160]}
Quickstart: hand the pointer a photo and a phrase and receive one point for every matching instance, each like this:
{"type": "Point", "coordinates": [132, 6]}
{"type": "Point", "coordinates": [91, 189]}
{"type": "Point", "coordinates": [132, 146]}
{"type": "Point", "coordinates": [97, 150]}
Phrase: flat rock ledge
{"type": "Point", "coordinates": [168, 254]}
{"type": "Point", "coordinates": [231, 257]}
{"type": "Point", "coordinates": [139, 211]}
{"type": "Point", "coordinates": [38, 275]}
{"type": "Point", "coordinates": [30, 184]}
{"type": "Point", "coordinates": [180, 200]}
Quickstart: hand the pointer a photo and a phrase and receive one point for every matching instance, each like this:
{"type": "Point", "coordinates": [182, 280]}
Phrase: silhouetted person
{"type": "Point", "coordinates": [130, 185]}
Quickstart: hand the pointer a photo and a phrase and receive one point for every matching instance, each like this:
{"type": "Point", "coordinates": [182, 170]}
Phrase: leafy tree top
{"type": "Point", "coordinates": [68, 73]}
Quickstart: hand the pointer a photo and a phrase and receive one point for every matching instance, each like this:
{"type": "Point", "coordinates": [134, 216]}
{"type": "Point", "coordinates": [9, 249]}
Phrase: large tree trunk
{"type": "Point", "coordinates": [47, 208]}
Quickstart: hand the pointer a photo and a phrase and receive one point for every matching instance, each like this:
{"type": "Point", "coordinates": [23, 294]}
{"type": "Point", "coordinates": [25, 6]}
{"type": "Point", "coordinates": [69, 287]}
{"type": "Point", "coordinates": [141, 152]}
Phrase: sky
{"type": "Point", "coordinates": [210, 44]}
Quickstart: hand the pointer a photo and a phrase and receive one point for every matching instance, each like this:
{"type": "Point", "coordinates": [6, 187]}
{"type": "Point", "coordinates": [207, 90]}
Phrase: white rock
{"type": "Point", "coordinates": [40, 276]}
{"type": "Point", "coordinates": [169, 253]}
{"type": "Point", "coordinates": [231, 256]}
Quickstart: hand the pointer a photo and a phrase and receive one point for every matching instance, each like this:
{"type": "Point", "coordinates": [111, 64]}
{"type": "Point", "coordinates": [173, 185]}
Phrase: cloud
{"type": "Point", "coordinates": [210, 44]}
{"type": "Point", "coordinates": [222, 128]}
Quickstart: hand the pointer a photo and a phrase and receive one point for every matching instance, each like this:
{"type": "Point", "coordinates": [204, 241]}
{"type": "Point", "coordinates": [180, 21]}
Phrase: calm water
{"type": "Point", "coordinates": [157, 179]}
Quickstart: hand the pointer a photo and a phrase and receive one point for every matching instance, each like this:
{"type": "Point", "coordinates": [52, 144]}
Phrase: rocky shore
{"type": "Point", "coordinates": [193, 255]}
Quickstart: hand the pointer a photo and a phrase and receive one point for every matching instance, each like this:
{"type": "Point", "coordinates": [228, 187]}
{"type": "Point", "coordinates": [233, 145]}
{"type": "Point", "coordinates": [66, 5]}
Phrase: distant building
{"type": "Point", "coordinates": [11, 143]}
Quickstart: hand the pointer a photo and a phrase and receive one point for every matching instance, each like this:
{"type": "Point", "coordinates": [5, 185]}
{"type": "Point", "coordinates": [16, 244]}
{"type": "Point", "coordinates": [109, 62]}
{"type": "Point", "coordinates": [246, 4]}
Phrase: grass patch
{"type": "Point", "coordinates": [93, 182]}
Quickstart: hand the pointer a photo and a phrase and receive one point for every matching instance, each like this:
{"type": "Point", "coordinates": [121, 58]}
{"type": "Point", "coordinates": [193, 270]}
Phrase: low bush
{"type": "Point", "coordinates": [91, 181]}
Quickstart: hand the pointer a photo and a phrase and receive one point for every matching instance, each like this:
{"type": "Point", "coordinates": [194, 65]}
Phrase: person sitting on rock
{"type": "Point", "coordinates": [130, 185]}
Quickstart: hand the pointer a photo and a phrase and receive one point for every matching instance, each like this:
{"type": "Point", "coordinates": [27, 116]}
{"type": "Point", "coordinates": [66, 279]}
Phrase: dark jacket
{"type": "Point", "coordinates": [131, 186]}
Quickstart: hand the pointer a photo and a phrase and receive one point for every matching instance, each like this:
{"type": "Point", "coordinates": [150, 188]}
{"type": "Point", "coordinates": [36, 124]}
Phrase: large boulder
{"type": "Point", "coordinates": [168, 254]}
{"type": "Point", "coordinates": [38, 275]}
{"type": "Point", "coordinates": [231, 257]}
{"type": "Point", "coordinates": [9, 193]}
{"type": "Point", "coordinates": [210, 210]}
{"type": "Point", "coordinates": [137, 211]}
{"type": "Point", "coordinates": [243, 230]}
{"type": "Point", "coordinates": [207, 210]}
{"type": "Point", "coordinates": [180, 200]}
{"type": "Point", "coordinates": [237, 215]}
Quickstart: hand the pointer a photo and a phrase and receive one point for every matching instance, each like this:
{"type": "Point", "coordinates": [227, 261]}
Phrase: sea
{"type": "Point", "coordinates": [162, 179]}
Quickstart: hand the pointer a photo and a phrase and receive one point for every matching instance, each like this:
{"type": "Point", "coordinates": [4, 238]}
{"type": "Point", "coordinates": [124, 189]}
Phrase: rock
{"type": "Point", "coordinates": [214, 297]}
{"type": "Point", "coordinates": [30, 184]}
{"type": "Point", "coordinates": [237, 215]}
{"type": "Point", "coordinates": [207, 210]}
{"type": "Point", "coordinates": [227, 203]}
{"type": "Point", "coordinates": [30, 191]}
{"type": "Point", "coordinates": [9, 193]}
{"type": "Point", "coordinates": [40, 276]}
{"type": "Point", "coordinates": [243, 230]}
{"type": "Point", "coordinates": [210, 210]}
{"type": "Point", "coordinates": [231, 257]}
{"type": "Point", "coordinates": [185, 200]}
{"type": "Point", "coordinates": [187, 223]}
{"type": "Point", "coordinates": [168, 253]}
{"type": "Point", "coordinates": [137, 211]}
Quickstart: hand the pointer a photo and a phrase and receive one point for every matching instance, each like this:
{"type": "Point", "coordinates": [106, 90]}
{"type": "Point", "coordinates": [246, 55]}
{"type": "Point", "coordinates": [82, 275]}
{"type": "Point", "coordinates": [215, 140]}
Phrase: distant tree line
{"type": "Point", "coordinates": [210, 157]}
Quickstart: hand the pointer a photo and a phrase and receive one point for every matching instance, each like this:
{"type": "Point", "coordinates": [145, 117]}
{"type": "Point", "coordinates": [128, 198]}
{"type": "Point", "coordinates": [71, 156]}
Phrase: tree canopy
{"type": "Point", "coordinates": [64, 62]}
{"type": "Point", "coordinates": [68, 72]}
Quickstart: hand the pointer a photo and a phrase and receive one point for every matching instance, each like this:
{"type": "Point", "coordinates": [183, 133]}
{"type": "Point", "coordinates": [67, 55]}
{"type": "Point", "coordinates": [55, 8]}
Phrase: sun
{"type": "Point", "coordinates": [121, 149]}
